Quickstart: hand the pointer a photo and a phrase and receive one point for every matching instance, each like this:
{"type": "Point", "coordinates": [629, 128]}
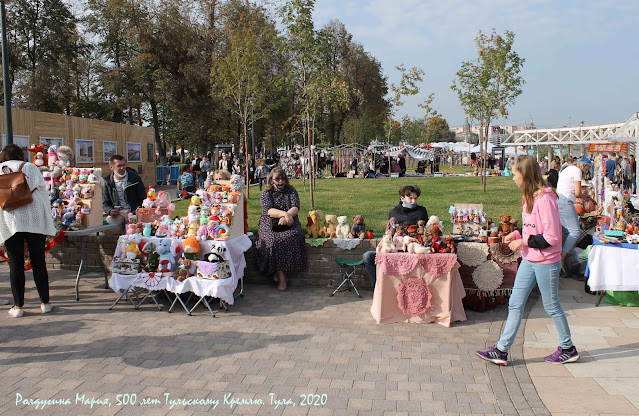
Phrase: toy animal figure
{"type": "Point", "coordinates": [417, 248]}
{"type": "Point", "coordinates": [65, 156]}
{"type": "Point", "coordinates": [450, 245]}
{"type": "Point", "coordinates": [359, 227]}
{"type": "Point", "coordinates": [507, 224]}
{"type": "Point", "coordinates": [35, 150]}
{"type": "Point", "coordinates": [132, 251]}
{"type": "Point", "coordinates": [421, 227]}
{"type": "Point", "coordinates": [343, 230]}
{"type": "Point", "coordinates": [386, 245]}
{"type": "Point", "coordinates": [52, 156]}
{"type": "Point", "coordinates": [391, 225]}
{"type": "Point", "coordinates": [147, 230]}
{"type": "Point", "coordinates": [166, 260]}
{"type": "Point", "coordinates": [330, 231]}
{"type": "Point", "coordinates": [436, 233]}
{"type": "Point", "coordinates": [202, 232]}
{"type": "Point", "coordinates": [191, 247]}
{"type": "Point", "coordinates": [314, 224]}
{"type": "Point", "coordinates": [39, 160]}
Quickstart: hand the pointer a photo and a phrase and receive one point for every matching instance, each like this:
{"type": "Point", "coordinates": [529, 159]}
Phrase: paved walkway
{"type": "Point", "coordinates": [302, 352]}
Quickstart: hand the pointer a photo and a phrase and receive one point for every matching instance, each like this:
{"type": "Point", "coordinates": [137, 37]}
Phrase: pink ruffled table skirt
{"type": "Point", "coordinates": [440, 299]}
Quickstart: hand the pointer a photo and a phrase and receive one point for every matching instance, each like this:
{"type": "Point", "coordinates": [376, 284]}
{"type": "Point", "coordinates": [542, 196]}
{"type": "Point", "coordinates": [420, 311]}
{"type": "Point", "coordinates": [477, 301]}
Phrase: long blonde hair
{"type": "Point", "coordinates": [532, 180]}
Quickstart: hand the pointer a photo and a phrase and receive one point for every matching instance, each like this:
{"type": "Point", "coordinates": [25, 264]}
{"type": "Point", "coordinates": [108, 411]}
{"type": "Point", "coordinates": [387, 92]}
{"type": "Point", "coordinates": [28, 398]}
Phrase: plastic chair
{"type": "Point", "coordinates": [348, 267]}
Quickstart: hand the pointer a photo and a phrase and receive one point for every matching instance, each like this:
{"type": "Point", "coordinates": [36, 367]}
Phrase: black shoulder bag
{"type": "Point", "coordinates": [275, 226]}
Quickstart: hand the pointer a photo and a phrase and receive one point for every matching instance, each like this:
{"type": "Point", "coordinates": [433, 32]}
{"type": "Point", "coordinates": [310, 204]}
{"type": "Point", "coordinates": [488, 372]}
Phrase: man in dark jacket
{"type": "Point", "coordinates": [406, 212]}
{"type": "Point", "coordinates": [123, 191]}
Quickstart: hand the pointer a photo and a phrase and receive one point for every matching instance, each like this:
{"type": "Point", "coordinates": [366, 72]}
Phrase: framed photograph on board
{"type": "Point", "coordinates": [22, 141]}
{"type": "Point", "coordinates": [84, 151]}
{"type": "Point", "coordinates": [133, 152]}
{"type": "Point", "coordinates": [50, 141]}
{"type": "Point", "coordinates": [108, 150]}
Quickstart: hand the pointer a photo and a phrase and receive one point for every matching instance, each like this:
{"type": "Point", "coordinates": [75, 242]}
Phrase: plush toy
{"type": "Point", "coordinates": [220, 250]}
{"type": "Point", "coordinates": [343, 230]}
{"type": "Point", "coordinates": [436, 233]}
{"type": "Point", "coordinates": [386, 245]}
{"type": "Point", "coordinates": [184, 270]}
{"type": "Point", "coordinates": [146, 247]}
{"type": "Point", "coordinates": [450, 245]}
{"type": "Point", "coordinates": [202, 232]}
{"type": "Point", "coordinates": [132, 250]}
{"type": "Point", "coordinates": [65, 156]}
{"type": "Point", "coordinates": [147, 230]}
{"type": "Point", "coordinates": [215, 213]}
{"type": "Point", "coordinates": [314, 224]}
{"type": "Point", "coordinates": [415, 247]}
{"type": "Point", "coordinates": [130, 229]}
{"type": "Point", "coordinates": [166, 259]}
{"type": "Point", "coordinates": [330, 231]}
{"type": "Point", "coordinates": [52, 156]}
{"type": "Point", "coordinates": [391, 226]}
{"type": "Point", "coordinates": [507, 224]}
{"type": "Point", "coordinates": [359, 228]}
{"type": "Point", "coordinates": [191, 247]}
{"type": "Point", "coordinates": [39, 160]}
{"type": "Point", "coordinates": [35, 150]}
{"type": "Point", "coordinates": [421, 227]}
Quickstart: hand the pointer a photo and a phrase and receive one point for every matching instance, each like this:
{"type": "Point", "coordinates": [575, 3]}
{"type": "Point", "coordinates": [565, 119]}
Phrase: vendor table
{"type": "Point", "coordinates": [88, 232]}
{"type": "Point", "coordinates": [613, 267]}
{"type": "Point", "coordinates": [222, 288]}
{"type": "Point", "coordinates": [438, 271]}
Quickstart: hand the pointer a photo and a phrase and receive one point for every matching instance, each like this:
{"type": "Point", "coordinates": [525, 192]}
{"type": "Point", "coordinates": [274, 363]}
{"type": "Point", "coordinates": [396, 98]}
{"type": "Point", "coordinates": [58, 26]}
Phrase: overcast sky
{"type": "Point", "coordinates": [582, 56]}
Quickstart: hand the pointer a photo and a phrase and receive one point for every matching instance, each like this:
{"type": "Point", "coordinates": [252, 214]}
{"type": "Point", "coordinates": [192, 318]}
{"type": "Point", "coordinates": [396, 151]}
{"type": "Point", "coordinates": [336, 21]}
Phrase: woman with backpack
{"type": "Point", "coordinates": [30, 224]}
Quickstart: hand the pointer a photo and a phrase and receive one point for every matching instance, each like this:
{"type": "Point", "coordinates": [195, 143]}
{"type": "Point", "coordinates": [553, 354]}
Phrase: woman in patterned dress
{"type": "Point", "coordinates": [279, 252]}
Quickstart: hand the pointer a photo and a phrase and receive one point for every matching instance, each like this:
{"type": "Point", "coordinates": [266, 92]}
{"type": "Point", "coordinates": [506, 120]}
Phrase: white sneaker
{"type": "Point", "coordinates": [46, 307]}
{"type": "Point", "coordinates": [15, 312]}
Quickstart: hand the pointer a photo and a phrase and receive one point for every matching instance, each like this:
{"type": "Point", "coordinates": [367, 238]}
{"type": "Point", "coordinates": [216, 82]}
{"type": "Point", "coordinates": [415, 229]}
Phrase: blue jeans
{"type": "Point", "coordinates": [369, 264]}
{"type": "Point", "coordinates": [569, 221]}
{"type": "Point", "coordinates": [546, 276]}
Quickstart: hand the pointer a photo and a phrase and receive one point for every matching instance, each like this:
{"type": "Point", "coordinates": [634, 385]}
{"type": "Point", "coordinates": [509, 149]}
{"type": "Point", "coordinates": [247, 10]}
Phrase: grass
{"type": "Point", "coordinates": [375, 197]}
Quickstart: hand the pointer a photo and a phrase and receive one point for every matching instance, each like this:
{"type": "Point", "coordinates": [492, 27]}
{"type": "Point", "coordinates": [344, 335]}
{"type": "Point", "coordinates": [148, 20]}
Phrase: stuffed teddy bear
{"type": "Point", "coordinates": [436, 234]}
{"type": "Point", "coordinates": [314, 224]}
{"type": "Point", "coordinates": [331, 229]}
{"type": "Point", "coordinates": [507, 224]}
{"type": "Point", "coordinates": [343, 230]}
{"type": "Point", "coordinates": [132, 250]}
{"type": "Point", "coordinates": [391, 226]}
{"type": "Point", "coordinates": [415, 247]}
{"type": "Point", "coordinates": [386, 245]}
{"type": "Point", "coordinates": [359, 228]}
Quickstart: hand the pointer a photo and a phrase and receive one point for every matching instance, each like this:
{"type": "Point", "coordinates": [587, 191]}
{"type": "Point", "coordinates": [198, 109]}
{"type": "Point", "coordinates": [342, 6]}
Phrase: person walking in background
{"type": "Point", "coordinates": [237, 170]}
{"type": "Point", "coordinates": [611, 164]}
{"type": "Point", "coordinates": [261, 172]}
{"type": "Point", "coordinates": [205, 166]}
{"type": "Point", "coordinates": [30, 223]}
{"type": "Point", "coordinates": [540, 245]}
{"type": "Point", "coordinates": [186, 183]}
{"type": "Point", "coordinates": [633, 174]}
{"type": "Point", "coordinates": [280, 247]}
{"type": "Point", "coordinates": [553, 174]}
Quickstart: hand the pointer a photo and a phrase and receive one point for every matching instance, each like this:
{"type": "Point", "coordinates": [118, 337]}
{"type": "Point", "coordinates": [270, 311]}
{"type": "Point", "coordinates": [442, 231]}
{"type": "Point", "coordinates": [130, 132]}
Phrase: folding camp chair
{"type": "Point", "coordinates": [348, 268]}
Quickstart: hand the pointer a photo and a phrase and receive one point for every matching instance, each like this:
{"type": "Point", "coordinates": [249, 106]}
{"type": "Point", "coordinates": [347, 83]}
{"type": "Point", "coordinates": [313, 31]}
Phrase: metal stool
{"type": "Point", "coordinates": [349, 267]}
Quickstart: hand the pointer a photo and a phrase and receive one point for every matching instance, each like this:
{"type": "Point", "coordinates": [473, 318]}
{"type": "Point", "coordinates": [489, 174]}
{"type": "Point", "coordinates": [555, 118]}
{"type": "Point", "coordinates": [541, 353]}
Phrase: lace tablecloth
{"type": "Point", "coordinates": [443, 289]}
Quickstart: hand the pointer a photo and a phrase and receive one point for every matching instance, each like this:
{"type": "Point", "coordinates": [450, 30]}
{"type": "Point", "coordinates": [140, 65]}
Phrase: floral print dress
{"type": "Point", "coordinates": [284, 250]}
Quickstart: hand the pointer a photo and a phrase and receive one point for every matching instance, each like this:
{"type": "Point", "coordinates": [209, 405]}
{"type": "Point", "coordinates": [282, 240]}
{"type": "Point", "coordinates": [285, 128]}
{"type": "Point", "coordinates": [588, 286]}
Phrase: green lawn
{"type": "Point", "coordinates": [375, 197]}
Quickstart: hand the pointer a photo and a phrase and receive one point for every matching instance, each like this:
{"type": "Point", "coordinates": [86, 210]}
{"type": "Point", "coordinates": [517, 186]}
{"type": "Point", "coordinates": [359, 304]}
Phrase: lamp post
{"type": "Point", "coordinates": [5, 73]}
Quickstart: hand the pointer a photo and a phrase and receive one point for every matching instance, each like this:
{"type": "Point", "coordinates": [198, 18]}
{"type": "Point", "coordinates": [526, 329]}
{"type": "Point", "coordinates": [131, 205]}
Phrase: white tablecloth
{"type": "Point", "coordinates": [613, 268]}
{"type": "Point", "coordinates": [222, 288]}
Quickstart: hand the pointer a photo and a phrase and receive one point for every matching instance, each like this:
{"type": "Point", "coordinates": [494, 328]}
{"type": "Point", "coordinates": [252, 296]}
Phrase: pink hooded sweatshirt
{"type": "Point", "coordinates": [541, 240]}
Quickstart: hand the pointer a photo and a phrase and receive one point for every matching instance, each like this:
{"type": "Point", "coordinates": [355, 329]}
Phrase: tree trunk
{"type": "Point", "coordinates": [156, 132]}
{"type": "Point", "coordinates": [246, 161]}
{"type": "Point", "coordinates": [311, 157]}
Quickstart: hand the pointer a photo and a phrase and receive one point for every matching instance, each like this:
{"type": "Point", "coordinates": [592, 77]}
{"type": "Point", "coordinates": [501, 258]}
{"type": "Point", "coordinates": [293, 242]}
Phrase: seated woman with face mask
{"type": "Point", "coordinates": [407, 211]}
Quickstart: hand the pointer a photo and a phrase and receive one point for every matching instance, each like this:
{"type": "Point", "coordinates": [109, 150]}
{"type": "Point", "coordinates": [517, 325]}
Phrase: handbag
{"type": "Point", "coordinates": [275, 222]}
{"type": "Point", "coordinates": [14, 189]}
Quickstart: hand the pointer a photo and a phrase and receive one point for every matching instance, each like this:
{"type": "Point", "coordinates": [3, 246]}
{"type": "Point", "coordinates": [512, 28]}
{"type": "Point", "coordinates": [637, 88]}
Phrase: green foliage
{"type": "Point", "coordinates": [488, 85]}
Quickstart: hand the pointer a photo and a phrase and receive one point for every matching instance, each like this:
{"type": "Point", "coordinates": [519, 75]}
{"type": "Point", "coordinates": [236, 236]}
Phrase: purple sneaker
{"type": "Point", "coordinates": [493, 355]}
{"type": "Point", "coordinates": [561, 357]}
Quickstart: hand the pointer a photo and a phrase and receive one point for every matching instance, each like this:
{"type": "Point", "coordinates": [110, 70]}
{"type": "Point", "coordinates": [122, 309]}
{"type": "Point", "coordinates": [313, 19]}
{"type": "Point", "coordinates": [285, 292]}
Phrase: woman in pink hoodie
{"type": "Point", "coordinates": [540, 242]}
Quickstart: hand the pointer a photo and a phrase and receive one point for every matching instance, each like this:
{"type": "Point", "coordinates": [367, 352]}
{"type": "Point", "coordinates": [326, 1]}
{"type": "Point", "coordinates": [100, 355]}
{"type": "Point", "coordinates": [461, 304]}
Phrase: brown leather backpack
{"type": "Point", "coordinates": [14, 189]}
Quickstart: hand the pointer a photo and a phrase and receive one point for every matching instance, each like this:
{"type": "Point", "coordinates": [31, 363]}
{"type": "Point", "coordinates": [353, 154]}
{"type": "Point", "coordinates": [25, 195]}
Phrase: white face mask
{"type": "Point", "coordinates": [117, 175]}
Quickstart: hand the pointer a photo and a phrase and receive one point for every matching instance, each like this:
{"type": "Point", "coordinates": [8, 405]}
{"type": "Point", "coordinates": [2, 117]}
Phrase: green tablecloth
{"type": "Point", "coordinates": [622, 298]}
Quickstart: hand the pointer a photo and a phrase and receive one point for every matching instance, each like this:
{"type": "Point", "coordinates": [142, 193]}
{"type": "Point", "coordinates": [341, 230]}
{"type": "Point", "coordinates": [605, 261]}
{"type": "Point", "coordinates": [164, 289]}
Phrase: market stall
{"type": "Point", "coordinates": [418, 288]}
